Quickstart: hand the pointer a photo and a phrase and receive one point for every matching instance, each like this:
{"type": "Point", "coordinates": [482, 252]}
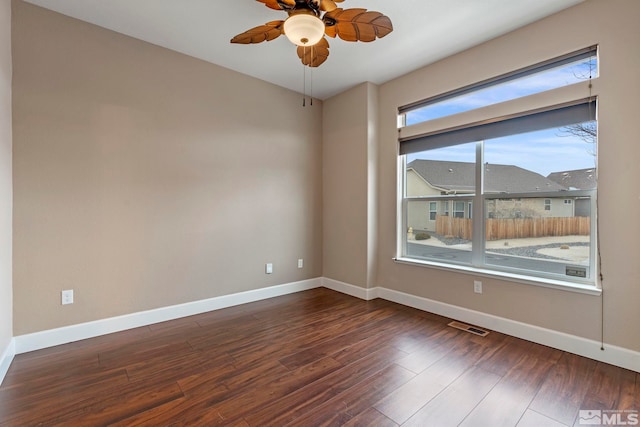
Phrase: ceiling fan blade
{"type": "Point", "coordinates": [328, 5]}
{"type": "Point", "coordinates": [267, 32]}
{"type": "Point", "coordinates": [272, 4]}
{"type": "Point", "coordinates": [314, 56]}
{"type": "Point", "coordinates": [279, 4]}
{"type": "Point", "coordinates": [357, 24]}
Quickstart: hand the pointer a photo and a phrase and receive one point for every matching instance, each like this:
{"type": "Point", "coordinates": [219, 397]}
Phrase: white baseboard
{"type": "Point", "coordinates": [6, 358]}
{"type": "Point", "coordinates": [354, 291]}
{"type": "Point", "coordinates": [613, 355]}
{"type": "Point", "coordinates": [53, 337]}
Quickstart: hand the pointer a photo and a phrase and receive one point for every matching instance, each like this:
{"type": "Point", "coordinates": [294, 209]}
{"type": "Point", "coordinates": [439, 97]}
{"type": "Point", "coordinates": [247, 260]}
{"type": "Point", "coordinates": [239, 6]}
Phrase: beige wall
{"type": "Point", "coordinates": [417, 186]}
{"type": "Point", "coordinates": [612, 25]}
{"type": "Point", "coordinates": [6, 199]}
{"type": "Point", "coordinates": [349, 156]}
{"type": "Point", "coordinates": [145, 178]}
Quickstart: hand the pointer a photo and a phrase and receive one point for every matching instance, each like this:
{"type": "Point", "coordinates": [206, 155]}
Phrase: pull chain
{"type": "Point", "coordinates": [311, 77]}
{"type": "Point", "coordinates": [599, 254]}
{"type": "Point", "coordinates": [304, 78]}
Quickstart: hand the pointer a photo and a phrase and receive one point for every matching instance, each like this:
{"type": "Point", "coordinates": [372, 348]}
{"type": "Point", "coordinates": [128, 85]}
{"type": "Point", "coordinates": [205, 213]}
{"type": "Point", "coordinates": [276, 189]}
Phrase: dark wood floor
{"type": "Point", "coordinates": [309, 359]}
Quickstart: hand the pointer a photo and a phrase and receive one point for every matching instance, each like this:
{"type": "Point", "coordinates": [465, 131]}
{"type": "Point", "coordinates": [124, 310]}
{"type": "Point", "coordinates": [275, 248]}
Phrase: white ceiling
{"type": "Point", "coordinates": [424, 32]}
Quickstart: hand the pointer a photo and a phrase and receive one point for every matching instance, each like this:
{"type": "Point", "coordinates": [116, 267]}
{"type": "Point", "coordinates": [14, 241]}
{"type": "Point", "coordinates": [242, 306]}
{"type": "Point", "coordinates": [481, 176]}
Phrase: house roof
{"type": "Point", "coordinates": [577, 179]}
{"type": "Point", "coordinates": [459, 177]}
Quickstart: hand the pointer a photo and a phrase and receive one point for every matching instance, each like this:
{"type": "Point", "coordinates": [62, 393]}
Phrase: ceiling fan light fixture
{"type": "Point", "coordinates": [304, 29]}
{"type": "Point", "coordinates": [308, 23]}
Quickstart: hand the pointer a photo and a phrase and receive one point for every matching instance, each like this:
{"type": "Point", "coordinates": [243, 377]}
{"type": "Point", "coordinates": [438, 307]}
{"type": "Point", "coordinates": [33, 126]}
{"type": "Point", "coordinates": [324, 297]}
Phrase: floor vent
{"type": "Point", "coordinates": [468, 328]}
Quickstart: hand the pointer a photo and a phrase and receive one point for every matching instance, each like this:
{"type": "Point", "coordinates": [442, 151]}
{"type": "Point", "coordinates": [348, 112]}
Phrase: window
{"type": "Point", "coordinates": [553, 74]}
{"type": "Point", "coordinates": [497, 191]}
{"type": "Point", "coordinates": [433, 210]}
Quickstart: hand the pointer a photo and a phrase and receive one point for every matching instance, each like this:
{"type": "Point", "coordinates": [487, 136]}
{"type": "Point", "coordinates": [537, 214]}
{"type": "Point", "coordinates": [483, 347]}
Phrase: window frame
{"type": "Point", "coordinates": [521, 107]}
{"type": "Point", "coordinates": [433, 211]}
{"type": "Point", "coordinates": [456, 211]}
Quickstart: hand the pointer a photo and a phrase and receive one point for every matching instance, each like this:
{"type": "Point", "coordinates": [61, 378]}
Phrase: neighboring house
{"type": "Point", "coordinates": [436, 178]}
{"type": "Point", "coordinates": [578, 179]}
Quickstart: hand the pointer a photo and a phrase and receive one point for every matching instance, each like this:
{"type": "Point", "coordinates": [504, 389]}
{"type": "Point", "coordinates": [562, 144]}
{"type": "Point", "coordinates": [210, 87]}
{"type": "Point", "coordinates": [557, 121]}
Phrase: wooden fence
{"type": "Point", "coordinates": [515, 228]}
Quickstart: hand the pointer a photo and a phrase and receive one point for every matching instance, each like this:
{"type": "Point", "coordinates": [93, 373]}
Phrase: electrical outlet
{"type": "Point", "coordinates": [67, 297]}
{"type": "Point", "coordinates": [268, 268]}
{"type": "Point", "coordinates": [300, 263]}
{"type": "Point", "coordinates": [477, 286]}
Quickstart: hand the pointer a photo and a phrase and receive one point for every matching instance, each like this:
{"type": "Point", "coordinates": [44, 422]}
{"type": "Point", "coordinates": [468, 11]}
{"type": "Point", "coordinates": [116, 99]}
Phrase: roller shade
{"type": "Point", "coordinates": [526, 122]}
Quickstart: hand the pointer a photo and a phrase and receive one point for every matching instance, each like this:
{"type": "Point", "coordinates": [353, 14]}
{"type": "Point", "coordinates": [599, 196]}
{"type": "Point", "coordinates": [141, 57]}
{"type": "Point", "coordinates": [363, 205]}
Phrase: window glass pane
{"type": "Point", "coordinates": [438, 227]}
{"type": "Point", "coordinates": [447, 238]}
{"type": "Point", "coordinates": [552, 78]}
{"type": "Point", "coordinates": [433, 210]}
{"type": "Point", "coordinates": [522, 234]}
{"type": "Point", "coordinates": [550, 160]}
{"type": "Point", "coordinates": [545, 236]}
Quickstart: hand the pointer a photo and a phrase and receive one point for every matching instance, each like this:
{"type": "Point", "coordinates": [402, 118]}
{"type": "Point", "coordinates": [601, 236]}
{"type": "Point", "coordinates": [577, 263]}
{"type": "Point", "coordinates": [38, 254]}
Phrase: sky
{"type": "Point", "coordinates": [544, 152]}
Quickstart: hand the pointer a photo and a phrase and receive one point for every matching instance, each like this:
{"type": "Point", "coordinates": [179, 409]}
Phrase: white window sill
{"type": "Point", "coordinates": [511, 277]}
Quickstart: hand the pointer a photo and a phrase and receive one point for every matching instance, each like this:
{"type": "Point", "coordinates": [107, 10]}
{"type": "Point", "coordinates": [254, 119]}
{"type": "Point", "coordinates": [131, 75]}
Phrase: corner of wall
{"type": "Point", "coordinates": [350, 194]}
{"type": "Point", "coordinates": [6, 358]}
{"type": "Point", "coordinates": [7, 344]}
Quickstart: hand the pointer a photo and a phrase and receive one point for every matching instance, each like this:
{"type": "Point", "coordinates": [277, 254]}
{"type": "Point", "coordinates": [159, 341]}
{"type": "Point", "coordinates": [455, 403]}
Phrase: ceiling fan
{"type": "Point", "coordinates": [310, 20]}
